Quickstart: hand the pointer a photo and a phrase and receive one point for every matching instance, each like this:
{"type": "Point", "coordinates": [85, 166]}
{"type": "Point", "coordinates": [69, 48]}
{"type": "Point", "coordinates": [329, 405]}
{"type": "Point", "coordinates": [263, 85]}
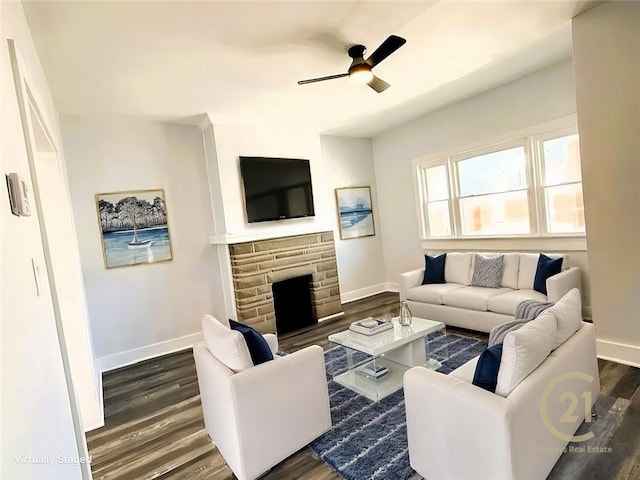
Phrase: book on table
{"type": "Point", "coordinates": [372, 370]}
{"type": "Point", "coordinates": [370, 326]}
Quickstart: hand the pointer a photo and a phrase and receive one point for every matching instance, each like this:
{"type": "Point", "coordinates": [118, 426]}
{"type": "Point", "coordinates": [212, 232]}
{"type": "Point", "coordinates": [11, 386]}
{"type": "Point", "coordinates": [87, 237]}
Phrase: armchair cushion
{"type": "Point", "coordinates": [227, 345]}
{"type": "Point", "coordinates": [523, 350]}
{"type": "Point", "coordinates": [568, 313]}
{"type": "Point", "coordinates": [258, 347]}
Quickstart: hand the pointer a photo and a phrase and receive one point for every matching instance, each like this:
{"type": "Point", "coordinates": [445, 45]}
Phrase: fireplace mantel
{"type": "Point", "coordinates": [233, 238]}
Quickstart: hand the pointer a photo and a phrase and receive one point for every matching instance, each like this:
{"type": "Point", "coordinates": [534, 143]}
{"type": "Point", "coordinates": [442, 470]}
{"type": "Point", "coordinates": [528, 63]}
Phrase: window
{"type": "Point", "coordinates": [525, 187]}
{"type": "Point", "coordinates": [493, 193]}
{"type": "Point", "coordinates": [562, 185]}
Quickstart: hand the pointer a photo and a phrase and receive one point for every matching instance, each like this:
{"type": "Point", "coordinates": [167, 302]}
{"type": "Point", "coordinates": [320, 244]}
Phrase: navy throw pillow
{"type": "Point", "coordinates": [547, 267]}
{"type": "Point", "coordinates": [434, 269]}
{"type": "Point", "coordinates": [486, 374]}
{"type": "Point", "coordinates": [257, 345]}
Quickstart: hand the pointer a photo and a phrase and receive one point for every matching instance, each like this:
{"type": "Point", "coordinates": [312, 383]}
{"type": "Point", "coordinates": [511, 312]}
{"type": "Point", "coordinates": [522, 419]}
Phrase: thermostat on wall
{"type": "Point", "coordinates": [18, 195]}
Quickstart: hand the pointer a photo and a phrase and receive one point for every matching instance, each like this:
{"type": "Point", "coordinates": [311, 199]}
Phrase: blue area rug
{"type": "Point", "coordinates": [369, 439]}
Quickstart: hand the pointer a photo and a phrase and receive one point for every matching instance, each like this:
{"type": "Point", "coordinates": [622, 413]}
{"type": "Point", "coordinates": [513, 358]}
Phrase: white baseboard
{"type": "Point", "coordinates": [354, 295]}
{"type": "Point", "coordinates": [618, 352]}
{"type": "Point", "coordinates": [135, 355]}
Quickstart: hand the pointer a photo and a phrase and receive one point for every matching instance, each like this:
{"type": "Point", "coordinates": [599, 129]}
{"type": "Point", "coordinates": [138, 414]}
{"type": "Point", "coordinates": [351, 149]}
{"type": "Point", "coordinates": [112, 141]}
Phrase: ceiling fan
{"type": "Point", "coordinates": [360, 69]}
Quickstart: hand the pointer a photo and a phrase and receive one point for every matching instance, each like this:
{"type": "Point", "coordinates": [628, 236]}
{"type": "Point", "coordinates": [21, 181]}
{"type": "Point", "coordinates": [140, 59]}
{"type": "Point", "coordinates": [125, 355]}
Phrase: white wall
{"type": "Point", "coordinates": [145, 310]}
{"type": "Point", "coordinates": [606, 43]}
{"type": "Point", "coordinates": [360, 260]}
{"type": "Point", "coordinates": [36, 415]}
{"type": "Point", "coordinates": [543, 96]}
{"type": "Point", "coordinates": [234, 141]}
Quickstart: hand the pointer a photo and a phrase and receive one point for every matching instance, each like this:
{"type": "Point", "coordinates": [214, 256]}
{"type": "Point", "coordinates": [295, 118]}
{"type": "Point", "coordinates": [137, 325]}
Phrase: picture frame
{"type": "Point", "coordinates": [133, 227]}
{"type": "Point", "coordinates": [355, 212]}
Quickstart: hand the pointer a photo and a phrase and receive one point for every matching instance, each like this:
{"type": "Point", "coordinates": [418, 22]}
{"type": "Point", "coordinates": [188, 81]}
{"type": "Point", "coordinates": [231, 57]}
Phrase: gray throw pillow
{"type": "Point", "coordinates": [487, 271]}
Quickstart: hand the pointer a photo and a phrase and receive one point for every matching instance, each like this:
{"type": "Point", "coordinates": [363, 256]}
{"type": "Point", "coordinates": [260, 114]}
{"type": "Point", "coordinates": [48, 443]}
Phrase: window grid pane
{"type": "Point", "coordinates": [437, 183]}
{"type": "Point", "coordinates": [495, 214]}
{"type": "Point", "coordinates": [565, 209]}
{"type": "Point", "coordinates": [439, 219]}
{"type": "Point", "coordinates": [495, 172]}
{"type": "Point", "coordinates": [561, 160]}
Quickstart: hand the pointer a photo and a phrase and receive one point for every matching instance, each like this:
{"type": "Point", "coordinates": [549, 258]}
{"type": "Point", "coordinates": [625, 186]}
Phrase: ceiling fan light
{"type": "Point", "coordinates": [361, 74]}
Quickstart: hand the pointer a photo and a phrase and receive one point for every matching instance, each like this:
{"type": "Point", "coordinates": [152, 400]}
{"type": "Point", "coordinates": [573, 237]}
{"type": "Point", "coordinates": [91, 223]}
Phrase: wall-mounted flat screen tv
{"type": "Point", "coordinates": [276, 188]}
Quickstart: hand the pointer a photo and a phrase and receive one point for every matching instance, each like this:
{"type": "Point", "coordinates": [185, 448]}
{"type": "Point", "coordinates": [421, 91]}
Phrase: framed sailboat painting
{"type": "Point", "coordinates": [133, 227]}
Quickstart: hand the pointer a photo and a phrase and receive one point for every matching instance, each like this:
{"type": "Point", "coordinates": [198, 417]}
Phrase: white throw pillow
{"type": "Point", "coordinates": [457, 268]}
{"type": "Point", "coordinates": [226, 345]}
{"type": "Point", "coordinates": [568, 312]}
{"type": "Point", "coordinates": [523, 350]}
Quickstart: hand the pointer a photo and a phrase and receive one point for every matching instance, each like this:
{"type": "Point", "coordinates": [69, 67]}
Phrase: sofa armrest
{"type": "Point", "coordinates": [285, 399]}
{"type": "Point", "coordinates": [445, 413]}
{"type": "Point", "coordinates": [409, 280]}
{"type": "Point", "coordinates": [272, 340]}
{"type": "Point", "coordinates": [558, 285]}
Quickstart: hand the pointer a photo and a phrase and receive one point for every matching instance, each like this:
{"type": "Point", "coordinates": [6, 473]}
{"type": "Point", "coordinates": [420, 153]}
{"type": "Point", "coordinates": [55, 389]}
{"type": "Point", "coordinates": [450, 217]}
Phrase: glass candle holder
{"type": "Point", "coordinates": [405, 317]}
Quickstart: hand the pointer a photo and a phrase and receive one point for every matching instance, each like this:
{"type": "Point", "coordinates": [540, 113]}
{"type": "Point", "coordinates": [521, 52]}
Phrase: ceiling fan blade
{"type": "Point", "coordinates": [390, 45]}
{"type": "Point", "coordinates": [322, 79]}
{"type": "Point", "coordinates": [378, 84]}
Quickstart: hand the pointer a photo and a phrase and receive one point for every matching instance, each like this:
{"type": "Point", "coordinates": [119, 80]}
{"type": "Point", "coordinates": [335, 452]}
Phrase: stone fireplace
{"type": "Point", "coordinates": [256, 265]}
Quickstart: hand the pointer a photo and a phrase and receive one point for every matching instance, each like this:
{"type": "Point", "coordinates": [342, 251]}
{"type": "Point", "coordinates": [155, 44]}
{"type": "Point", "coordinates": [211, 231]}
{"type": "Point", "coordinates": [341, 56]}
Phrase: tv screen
{"type": "Point", "coordinates": [276, 188]}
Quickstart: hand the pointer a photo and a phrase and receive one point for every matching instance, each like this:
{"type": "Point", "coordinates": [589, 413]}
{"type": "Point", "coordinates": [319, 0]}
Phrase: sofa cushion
{"type": "Point", "coordinates": [506, 303]}
{"type": "Point", "coordinates": [487, 271]}
{"type": "Point", "coordinates": [527, 270]}
{"type": "Point", "coordinates": [457, 268]}
{"type": "Point", "coordinates": [434, 269]}
{"type": "Point", "coordinates": [258, 347]}
{"type": "Point", "coordinates": [472, 298]}
{"type": "Point", "coordinates": [546, 268]}
{"type": "Point", "coordinates": [486, 373]}
{"type": "Point", "coordinates": [466, 371]}
{"type": "Point", "coordinates": [510, 270]}
{"type": "Point", "coordinates": [523, 350]}
{"type": "Point", "coordinates": [568, 313]}
{"type": "Point", "coordinates": [227, 345]}
{"type": "Point", "coordinates": [431, 293]}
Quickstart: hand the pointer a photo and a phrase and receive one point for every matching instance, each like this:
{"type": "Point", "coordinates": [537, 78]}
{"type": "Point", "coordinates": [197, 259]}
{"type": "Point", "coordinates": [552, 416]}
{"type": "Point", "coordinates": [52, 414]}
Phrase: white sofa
{"type": "Point", "coordinates": [259, 415]}
{"type": "Point", "coordinates": [458, 304]}
{"type": "Point", "coordinates": [458, 430]}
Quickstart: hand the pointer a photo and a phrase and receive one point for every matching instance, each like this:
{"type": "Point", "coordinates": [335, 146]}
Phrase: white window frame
{"type": "Point", "coordinates": [537, 141]}
{"type": "Point", "coordinates": [531, 140]}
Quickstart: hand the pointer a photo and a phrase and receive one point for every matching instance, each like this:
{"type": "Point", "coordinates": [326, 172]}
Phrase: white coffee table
{"type": "Point", "coordinates": [396, 349]}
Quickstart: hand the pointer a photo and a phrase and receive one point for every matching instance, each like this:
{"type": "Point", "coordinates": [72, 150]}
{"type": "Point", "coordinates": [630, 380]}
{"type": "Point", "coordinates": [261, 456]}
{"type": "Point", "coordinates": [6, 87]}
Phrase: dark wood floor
{"type": "Point", "coordinates": [154, 427]}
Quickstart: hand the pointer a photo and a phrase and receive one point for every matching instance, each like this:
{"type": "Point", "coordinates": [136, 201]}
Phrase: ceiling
{"type": "Point", "coordinates": [240, 61]}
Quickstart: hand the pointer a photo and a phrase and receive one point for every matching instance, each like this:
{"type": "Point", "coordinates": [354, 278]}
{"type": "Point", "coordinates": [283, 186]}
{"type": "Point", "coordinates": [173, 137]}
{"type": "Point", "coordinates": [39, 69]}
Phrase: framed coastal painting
{"type": "Point", "coordinates": [354, 212]}
{"type": "Point", "coordinates": [133, 227]}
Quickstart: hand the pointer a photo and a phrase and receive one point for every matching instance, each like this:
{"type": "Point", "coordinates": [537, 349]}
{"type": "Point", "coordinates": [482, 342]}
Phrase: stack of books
{"type": "Point", "coordinates": [372, 370]}
{"type": "Point", "coordinates": [370, 326]}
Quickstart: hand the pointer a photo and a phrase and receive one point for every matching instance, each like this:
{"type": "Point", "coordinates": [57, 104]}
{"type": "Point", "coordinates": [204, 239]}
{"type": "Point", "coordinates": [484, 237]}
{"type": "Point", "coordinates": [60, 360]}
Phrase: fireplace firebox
{"type": "Point", "coordinates": [292, 304]}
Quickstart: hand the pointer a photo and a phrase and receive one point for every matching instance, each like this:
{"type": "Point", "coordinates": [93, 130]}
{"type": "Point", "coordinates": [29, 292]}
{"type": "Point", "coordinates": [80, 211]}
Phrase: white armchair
{"type": "Point", "coordinates": [259, 416]}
